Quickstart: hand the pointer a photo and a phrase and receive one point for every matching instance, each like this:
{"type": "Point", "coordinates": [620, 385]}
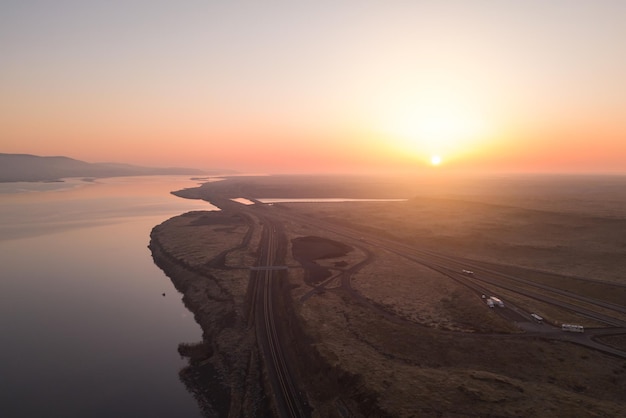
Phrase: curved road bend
{"type": "Point", "coordinates": [433, 260]}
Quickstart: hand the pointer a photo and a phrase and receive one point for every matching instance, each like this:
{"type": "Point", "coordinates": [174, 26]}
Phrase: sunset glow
{"type": "Point", "coordinates": [437, 128]}
{"type": "Point", "coordinates": [529, 87]}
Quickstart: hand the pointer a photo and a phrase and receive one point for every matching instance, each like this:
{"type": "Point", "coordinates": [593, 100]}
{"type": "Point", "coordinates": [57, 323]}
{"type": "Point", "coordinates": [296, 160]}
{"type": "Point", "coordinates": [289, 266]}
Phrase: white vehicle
{"type": "Point", "coordinates": [572, 328]}
{"type": "Point", "coordinates": [490, 303]}
{"type": "Point", "coordinates": [497, 301]}
{"type": "Point", "coordinates": [468, 272]}
{"type": "Point", "coordinates": [537, 317]}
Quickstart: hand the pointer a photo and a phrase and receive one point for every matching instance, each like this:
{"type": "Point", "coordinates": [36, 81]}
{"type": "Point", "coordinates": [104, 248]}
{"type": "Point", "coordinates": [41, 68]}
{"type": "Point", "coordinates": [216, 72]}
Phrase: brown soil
{"type": "Point", "coordinates": [224, 372]}
{"type": "Point", "coordinates": [419, 371]}
{"type": "Point", "coordinates": [617, 341]}
{"type": "Point", "coordinates": [381, 336]}
{"type": "Point", "coordinates": [306, 250]}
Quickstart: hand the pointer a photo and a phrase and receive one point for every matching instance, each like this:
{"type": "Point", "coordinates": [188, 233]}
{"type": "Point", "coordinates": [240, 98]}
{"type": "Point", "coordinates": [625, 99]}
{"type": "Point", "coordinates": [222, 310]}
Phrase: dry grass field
{"type": "Point", "coordinates": [422, 371]}
{"type": "Point", "coordinates": [559, 249]}
{"type": "Point", "coordinates": [564, 243]}
{"type": "Point", "coordinates": [400, 339]}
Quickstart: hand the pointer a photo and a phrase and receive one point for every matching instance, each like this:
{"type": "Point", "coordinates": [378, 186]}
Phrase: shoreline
{"type": "Point", "coordinates": [353, 358]}
{"type": "Point", "coordinates": [230, 377]}
{"type": "Point", "coordinates": [214, 377]}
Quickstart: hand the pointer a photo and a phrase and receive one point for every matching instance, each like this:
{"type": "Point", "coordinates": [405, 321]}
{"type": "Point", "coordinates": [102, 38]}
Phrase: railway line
{"type": "Point", "coordinates": [452, 267]}
{"type": "Point", "coordinates": [266, 314]}
{"type": "Point", "coordinates": [263, 294]}
{"type": "Point", "coordinates": [285, 394]}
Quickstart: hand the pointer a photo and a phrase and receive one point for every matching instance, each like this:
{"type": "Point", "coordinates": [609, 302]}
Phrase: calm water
{"type": "Point", "coordinates": [84, 328]}
{"type": "Point", "coordinates": [325, 200]}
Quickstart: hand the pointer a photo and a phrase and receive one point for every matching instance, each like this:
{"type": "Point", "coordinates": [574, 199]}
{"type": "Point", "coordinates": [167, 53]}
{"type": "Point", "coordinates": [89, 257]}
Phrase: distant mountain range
{"type": "Point", "coordinates": [25, 167]}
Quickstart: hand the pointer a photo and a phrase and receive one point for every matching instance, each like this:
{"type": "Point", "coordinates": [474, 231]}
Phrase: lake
{"type": "Point", "coordinates": [84, 325]}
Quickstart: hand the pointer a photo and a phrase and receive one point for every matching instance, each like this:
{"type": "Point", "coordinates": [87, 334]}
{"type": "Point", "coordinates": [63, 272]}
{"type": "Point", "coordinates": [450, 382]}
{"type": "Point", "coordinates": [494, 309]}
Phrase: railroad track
{"type": "Point", "coordinates": [439, 261]}
{"type": "Point", "coordinates": [286, 395]}
{"type": "Point", "coordinates": [432, 258]}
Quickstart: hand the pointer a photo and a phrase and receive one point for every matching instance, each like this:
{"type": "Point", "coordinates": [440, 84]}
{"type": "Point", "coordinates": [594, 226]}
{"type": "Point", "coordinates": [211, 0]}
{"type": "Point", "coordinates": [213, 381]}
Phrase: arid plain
{"type": "Point", "coordinates": [376, 314]}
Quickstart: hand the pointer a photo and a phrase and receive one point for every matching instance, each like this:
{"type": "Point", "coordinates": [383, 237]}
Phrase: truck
{"type": "Point", "coordinates": [497, 302]}
{"type": "Point", "coordinates": [572, 328]}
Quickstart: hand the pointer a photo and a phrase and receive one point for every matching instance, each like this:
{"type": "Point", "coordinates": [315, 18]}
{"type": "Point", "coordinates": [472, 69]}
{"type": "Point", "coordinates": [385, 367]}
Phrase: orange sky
{"type": "Point", "coordinates": [352, 87]}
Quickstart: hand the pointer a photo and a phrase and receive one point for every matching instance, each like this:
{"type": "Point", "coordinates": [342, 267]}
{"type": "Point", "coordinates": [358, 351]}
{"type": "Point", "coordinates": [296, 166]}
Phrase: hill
{"type": "Point", "coordinates": [26, 167]}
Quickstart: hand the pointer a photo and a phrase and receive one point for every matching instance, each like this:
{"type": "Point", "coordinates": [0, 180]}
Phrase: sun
{"type": "Point", "coordinates": [435, 160]}
{"type": "Point", "coordinates": [428, 129]}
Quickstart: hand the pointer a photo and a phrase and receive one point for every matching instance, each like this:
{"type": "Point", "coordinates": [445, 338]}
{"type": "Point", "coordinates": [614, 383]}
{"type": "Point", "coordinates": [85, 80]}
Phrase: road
{"type": "Point", "coordinates": [286, 397]}
{"type": "Point", "coordinates": [452, 267]}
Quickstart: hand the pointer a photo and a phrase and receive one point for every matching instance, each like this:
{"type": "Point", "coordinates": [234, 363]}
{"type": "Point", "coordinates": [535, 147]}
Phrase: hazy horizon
{"type": "Point", "coordinates": [442, 88]}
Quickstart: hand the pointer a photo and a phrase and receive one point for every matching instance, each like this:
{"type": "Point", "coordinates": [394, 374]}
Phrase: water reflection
{"type": "Point", "coordinates": [87, 204]}
{"type": "Point", "coordinates": [86, 330]}
{"type": "Point", "coordinates": [325, 200]}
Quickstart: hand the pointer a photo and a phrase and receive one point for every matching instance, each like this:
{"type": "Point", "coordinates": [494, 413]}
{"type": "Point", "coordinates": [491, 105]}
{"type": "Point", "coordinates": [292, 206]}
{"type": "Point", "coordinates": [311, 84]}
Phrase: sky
{"type": "Point", "coordinates": [324, 86]}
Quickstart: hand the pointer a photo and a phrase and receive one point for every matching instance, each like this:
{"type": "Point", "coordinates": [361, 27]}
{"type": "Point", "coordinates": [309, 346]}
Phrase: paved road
{"type": "Point", "coordinates": [447, 264]}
